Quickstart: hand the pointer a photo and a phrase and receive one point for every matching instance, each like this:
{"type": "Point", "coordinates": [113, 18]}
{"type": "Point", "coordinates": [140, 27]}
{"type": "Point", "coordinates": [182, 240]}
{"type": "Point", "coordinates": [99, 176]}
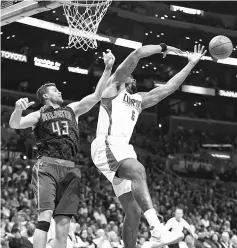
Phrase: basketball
{"type": "Point", "coordinates": [220, 47]}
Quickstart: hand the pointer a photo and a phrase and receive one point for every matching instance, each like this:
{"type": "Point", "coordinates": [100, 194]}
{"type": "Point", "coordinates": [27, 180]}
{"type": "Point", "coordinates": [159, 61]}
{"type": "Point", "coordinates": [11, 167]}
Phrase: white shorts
{"type": "Point", "coordinates": [108, 155]}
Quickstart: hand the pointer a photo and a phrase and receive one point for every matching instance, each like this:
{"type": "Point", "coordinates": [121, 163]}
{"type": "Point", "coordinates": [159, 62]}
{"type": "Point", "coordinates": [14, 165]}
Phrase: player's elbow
{"type": "Point", "coordinates": [138, 53]}
{"type": "Point", "coordinates": [13, 125]}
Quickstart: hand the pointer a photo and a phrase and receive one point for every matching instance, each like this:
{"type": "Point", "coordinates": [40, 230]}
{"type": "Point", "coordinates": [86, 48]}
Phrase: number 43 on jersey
{"type": "Point", "coordinates": [60, 129]}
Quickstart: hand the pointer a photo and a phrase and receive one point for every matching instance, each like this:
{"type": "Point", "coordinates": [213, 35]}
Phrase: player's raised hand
{"type": "Point", "coordinates": [171, 50]}
{"type": "Point", "coordinates": [23, 104]}
{"type": "Point", "coordinates": [198, 53]}
{"type": "Point", "coordinates": [108, 58]}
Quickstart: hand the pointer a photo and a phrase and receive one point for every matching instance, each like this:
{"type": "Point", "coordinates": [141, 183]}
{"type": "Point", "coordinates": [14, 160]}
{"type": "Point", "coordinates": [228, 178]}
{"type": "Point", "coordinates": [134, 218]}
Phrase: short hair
{"type": "Point", "coordinates": [15, 228]}
{"type": "Point", "coordinates": [178, 208]}
{"type": "Point", "coordinates": [42, 90]}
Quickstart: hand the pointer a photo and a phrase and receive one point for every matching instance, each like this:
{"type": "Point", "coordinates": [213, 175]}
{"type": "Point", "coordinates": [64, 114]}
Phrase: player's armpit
{"type": "Point", "coordinates": [154, 96]}
{"type": "Point", "coordinates": [130, 63]}
{"type": "Point", "coordinates": [85, 104]}
{"type": "Point", "coordinates": [19, 122]}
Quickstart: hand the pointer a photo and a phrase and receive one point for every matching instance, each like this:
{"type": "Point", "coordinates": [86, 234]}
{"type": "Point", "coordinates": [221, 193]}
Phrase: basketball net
{"type": "Point", "coordinates": [84, 18]}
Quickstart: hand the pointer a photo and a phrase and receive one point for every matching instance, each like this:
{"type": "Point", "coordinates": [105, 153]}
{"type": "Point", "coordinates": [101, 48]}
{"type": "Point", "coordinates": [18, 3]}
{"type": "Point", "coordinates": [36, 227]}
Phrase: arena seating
{"type": "Point", "coordinates": [209, 205]}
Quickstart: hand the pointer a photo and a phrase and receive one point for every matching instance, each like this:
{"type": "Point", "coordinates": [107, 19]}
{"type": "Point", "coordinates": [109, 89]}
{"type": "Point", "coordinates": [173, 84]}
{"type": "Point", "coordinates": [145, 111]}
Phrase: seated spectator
{"type": "Point", "coordinates": [19, 241]}
{"type": "Point", "coordinates": [225, 240]}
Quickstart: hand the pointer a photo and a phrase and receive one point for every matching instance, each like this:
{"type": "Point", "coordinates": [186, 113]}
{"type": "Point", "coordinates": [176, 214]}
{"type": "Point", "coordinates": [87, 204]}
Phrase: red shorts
{"type": "Point", "coordinates": [55, 183]}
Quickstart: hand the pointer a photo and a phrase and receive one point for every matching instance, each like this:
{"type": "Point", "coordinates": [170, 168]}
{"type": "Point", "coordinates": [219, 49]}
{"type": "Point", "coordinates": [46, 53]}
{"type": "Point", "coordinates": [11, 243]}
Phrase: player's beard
{"type": "Point", "coordinates": [59, 102]}
{"type": "Point", "coordinates": [131, 88]}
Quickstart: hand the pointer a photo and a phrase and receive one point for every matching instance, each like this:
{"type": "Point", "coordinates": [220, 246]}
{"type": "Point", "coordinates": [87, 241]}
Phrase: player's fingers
{"type": "Point", "coordinates": [108, 51]}
{"type": "Point", "coordinates": [23, 104]}
{"type": "Point", "coordinates": [195, 48]}
{"type": "Point", "coordinates": [31, 103]}
{"type": "Point", "coordinates": [199, 48]}
{"type": "Point", "coordinates": [203, 53]}
{"type": "Point", "coordinates": [202, 49]}
{"type": "Point", "coordinates": [103, 54]}
{"type": "Point", "coordinates": [25, 101]}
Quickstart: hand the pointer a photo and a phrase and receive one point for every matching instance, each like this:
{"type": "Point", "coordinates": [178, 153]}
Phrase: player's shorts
{"type": "Point", "coordinates": [55, 183]}
{"type": "Point", "coordinates": [108, 155]}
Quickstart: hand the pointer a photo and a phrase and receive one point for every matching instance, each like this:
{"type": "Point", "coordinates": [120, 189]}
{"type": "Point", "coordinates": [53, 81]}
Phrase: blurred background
{"type": "Point", "coordinates": [187, 142]}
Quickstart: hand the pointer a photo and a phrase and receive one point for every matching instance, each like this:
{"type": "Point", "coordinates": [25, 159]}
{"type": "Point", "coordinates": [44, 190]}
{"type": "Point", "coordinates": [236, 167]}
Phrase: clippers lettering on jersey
{"type": "Point", "coordinates": [57, 114]}
{"type": "Point", "coordinates": [132, 102]}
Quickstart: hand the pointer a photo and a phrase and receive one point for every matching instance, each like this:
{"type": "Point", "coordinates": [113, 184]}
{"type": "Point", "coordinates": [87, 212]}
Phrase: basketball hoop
{"type": "Point", "coordinates": [84, 18]}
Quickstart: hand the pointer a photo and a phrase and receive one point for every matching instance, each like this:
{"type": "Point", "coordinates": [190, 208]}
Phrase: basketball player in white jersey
{"type": "Point", "coordinates": [115, 157]}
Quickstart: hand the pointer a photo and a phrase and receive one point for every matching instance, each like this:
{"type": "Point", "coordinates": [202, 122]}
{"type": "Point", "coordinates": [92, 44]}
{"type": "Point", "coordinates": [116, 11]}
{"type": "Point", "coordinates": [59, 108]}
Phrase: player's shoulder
{"type": "Point", "coordinates": [183, 220]}
{"type": "Point", "coordinates": [171, 220]}
{"type": "Point", "coordinates": [141, 94]}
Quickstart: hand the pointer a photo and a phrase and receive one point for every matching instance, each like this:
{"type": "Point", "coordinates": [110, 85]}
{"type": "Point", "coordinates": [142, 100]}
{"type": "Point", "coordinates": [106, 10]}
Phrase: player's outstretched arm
{"type": "Point", "coordinates": [126, 68]}
{"type": "Point", "coordinates": [89, 101]}
{"type": "Point", "coordinates": [19, 122]}
{"type": "Point", "coordinates": [151, 98]}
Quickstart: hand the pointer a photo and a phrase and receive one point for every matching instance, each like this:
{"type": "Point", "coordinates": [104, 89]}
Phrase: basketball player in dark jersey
{"type": "Point", "coordinates": [55, 179]}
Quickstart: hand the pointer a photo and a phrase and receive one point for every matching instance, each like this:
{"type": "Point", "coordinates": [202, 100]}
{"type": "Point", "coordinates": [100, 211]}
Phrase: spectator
{"type": "Point", "coordinates": [19, 241]}
{"type": "Point", "coordinates": [205, 221]}
{"type": "Point", "coordinates": [225, 239]}
{"type": "Point", "coordinates": [233, 242]}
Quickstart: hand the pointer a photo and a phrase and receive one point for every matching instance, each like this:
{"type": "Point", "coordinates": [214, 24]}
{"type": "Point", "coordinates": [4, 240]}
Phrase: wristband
{"type": "Point", "coordinates": [163, 47]}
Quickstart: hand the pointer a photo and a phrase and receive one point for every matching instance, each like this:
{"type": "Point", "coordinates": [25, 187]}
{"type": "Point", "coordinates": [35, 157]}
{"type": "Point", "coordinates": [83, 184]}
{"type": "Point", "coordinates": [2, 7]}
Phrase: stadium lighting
{"type": "Point", "coordinates": [109, 39]}
{"type": "Point", "coordinates": [186, 10]}
{"type": "Point", "coordinates": [198, 90]}
{"type": "Point", "coordinates": [223, 156]}
{"type": "Point", "coordinates": [13, 56]}
{"type": "Point", "coordinates": [46, 63]}
{"type": "Point", "coordinates": [227, 93]}
{"type": "Point", "coordinates": [78, 70]}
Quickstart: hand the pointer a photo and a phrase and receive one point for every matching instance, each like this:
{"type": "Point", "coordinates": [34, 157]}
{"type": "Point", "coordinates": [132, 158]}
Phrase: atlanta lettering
{"type": "Point", "coordinates": [132, 102]}
{"type": "Point", "coordinates": [57, 114]}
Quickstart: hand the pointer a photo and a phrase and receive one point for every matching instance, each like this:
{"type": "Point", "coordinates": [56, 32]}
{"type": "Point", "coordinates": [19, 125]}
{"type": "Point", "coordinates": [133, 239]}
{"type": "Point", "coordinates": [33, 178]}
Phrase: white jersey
{"type": "Point", "coordinates": [118, 115]}
{"type": "Point", "coordinates": [177, 226]}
